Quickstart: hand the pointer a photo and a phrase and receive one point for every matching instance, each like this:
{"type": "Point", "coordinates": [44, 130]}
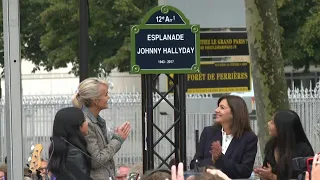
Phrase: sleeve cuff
{"type": "Point", "coordinates": [219, 162]}
{"type": "Point", "coordinates": [119, 138]}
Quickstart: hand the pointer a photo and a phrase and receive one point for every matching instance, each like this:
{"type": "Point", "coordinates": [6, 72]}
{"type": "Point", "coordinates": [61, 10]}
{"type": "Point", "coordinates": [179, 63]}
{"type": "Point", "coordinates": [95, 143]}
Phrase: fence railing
{"type": "Point", "coordinates": [39, 111]}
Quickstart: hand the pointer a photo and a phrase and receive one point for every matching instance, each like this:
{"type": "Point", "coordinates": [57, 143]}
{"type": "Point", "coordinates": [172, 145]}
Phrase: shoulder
{"type": "Point", "coordinates": [304, 149]}
{"type": "Point", "coordinates": [92, 132]}
{"type": "Point", "coordinates": [74, 156]}
{"type": "Point", "coordinates": [91, 125]}
{"type": "Point", "coordinates": [270, 145]}
{"type": "Point", "coordinates": [249, 136]}
{"type": "Point", "coordinates": [88, 119]}
{"type": "Point", "coordinates": [72, 151]}
{"type": "Point", "coordinates": [303, 145]}
{"type": "Point", "coordinates": [211, 129]}
{"type": "Point", "coordinates": [208, 128]}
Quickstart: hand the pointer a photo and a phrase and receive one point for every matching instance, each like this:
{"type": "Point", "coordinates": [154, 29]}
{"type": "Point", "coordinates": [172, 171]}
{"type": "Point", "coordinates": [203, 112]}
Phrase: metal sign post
{"type": "Point", "coordinates": [13, 96]}
{"type": "Point", "coordinates": [84, 62]}
{"type": "Point", "coordinates": [164, 42]}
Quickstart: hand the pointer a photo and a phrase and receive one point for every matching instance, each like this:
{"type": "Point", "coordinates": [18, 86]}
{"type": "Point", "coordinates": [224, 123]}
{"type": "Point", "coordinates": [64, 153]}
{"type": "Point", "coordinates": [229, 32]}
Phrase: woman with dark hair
{"type": "Point", "coordinates": [229, 145]}
{"type": "Point", "coordinates": [67, 161]}
{"type": "Point", "coordinates": [288, 141]}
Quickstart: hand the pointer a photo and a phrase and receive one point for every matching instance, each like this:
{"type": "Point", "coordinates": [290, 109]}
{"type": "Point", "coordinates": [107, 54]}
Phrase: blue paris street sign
{"type": "Point", "coordinates": [165, 42]}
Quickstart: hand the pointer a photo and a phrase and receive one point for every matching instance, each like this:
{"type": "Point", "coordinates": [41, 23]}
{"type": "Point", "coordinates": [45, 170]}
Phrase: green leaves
{"type": "Point", "coordinates": [109, 30]}
{"type": "Point", "coordinates": [50, 33]}
{"type": "Point", "coordinates": [31, 30]}
{"type": "Point", "coordinates": [121, 59]}
{"type": "Point", "coordinates": [310, 35]}
{"type": "Point", "coordinates": [60, 38]}
{"type": "Point", "coordinates": [300, 21]}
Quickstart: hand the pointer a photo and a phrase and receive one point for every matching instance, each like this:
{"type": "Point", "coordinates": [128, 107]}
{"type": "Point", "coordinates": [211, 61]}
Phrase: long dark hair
{"type": "Point", "coordinates": [239, 110]}
{"type": "Point", "coordinates": [66, 125]}
{"type": "Point", "coordinates": [289, 133]}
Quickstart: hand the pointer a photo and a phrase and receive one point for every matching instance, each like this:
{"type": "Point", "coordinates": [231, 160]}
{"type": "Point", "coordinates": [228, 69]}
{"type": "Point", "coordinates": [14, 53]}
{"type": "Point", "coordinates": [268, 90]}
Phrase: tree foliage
{"type": "Point", "coordinates": [109, 27]}
{"type": "Point", "coordinates": [31, 31]}
{"type": "Point", "coordinates": [300, 22]}
{"type": "Point", "coordinates": [50, 32]}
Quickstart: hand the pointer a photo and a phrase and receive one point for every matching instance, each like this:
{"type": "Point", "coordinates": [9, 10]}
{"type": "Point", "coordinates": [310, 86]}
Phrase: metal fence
{"type": "Point", "coordinates": [39, 111]}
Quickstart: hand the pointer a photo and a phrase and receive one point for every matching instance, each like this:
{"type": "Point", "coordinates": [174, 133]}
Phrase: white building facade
{"type": "Point", "coordinates": [60, 81]}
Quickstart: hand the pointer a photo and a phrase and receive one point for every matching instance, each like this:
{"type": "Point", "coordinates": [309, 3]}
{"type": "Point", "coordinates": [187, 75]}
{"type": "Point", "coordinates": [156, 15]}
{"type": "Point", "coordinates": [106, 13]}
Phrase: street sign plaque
{"type": "Point", "coordinates": [165, 42]}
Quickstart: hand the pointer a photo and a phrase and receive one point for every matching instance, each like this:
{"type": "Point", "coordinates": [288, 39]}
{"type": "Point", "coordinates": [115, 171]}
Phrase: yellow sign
{"type": "Point", "coordinates": [217, 44]}
{"type": "Point", "coordinates": [219, 77]}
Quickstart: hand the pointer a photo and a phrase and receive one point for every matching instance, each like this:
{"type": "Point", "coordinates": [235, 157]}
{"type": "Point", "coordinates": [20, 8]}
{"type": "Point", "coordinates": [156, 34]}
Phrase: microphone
{"type": "Point", "coordinates": [110, 176]}
{"type": "Point", "coordinates": [52, 150]}
{"type": "Point", "coordinates": [196, 165]}
{"type": "Point", "coordinates": [51, 139]}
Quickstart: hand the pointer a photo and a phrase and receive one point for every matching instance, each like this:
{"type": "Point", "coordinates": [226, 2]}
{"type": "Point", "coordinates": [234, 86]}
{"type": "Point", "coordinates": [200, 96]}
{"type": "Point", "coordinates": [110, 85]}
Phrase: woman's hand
{"type": "Point", "coordinates": [218, 173]}
{"type": "Point", "coordinates": [177, 175]}
{"type": "Point", "coordinates": [315, 173]}
{"type": "Point", "coordinates": [124, 130]}
{"type": "Point", "coordinates": [216, 150]}
{"type": "Point", "coordinates": [264, 172]}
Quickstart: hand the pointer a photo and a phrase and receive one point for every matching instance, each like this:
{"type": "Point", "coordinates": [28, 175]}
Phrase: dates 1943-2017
{"type": "Point", "coordinates": [160, 61]}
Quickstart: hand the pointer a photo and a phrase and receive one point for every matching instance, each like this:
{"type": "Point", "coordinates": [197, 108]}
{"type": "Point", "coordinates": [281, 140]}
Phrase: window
{"type": "Point", "coordinates": [289, 83]}
{"type": "Point", "coordinates": [297, 83]}
{"type": "Point", "coordinates": [287, 75]}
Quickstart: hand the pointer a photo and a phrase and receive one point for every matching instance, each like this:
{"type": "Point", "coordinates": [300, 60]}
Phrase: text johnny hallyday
{"type": "Point", "coordinates": [165, 50]}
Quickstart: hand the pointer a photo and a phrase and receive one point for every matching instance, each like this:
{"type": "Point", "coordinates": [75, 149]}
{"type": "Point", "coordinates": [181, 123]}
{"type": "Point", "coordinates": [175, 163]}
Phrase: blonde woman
{"type": "Point", "coordinates": [92, 97]}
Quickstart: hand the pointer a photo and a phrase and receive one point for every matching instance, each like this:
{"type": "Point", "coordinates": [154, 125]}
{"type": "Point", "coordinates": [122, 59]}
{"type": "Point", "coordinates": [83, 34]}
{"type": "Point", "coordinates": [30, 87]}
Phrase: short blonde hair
{"type": "Point", "coordinates": [137, 168]}
{"type": "Point", "coordinates": [88, 90]}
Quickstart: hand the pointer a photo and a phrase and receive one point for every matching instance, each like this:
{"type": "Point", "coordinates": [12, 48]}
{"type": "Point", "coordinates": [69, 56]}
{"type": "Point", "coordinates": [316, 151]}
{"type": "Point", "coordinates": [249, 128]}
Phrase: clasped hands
{"type": "Point", "coordinates": [216, 150]}
{"type": "Point", "coordinates": [124, 130]}
{"type": "Point", "coordinates": [264, 172]}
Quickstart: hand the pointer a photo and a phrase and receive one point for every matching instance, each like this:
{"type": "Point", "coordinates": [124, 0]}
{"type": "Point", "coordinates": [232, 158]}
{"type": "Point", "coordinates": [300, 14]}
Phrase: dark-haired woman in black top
{"type": "Point", "coordinates": [288, 141]}
{"type": "Point", "coordinates": [67, 161]}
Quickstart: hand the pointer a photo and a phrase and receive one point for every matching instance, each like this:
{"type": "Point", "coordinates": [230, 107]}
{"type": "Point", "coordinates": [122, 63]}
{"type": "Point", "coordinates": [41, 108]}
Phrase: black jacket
{"type": "Point", "coordinates": [302, 150]}
{"type": "Point", "coordinates": [77, 166]}
{"type": "Point", "coordinates": [239, 158]}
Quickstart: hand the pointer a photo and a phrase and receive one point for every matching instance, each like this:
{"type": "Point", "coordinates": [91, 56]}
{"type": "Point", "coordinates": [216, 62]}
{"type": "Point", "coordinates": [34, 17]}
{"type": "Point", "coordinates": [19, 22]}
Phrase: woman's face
{"type": "Point", "coordinates": [84, 128]}
{"type": "Point", "coordinates": [223, 113]}
{"type": "Point", "coordinates": [102, 101]}
{"type": "Point", "coordinates": [272, 128]}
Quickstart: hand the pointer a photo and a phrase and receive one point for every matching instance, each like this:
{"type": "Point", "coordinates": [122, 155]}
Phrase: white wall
{"type": "Point", "coordinates": [125, 82]}
{"type": "Point", "coordinates": [211, 13]}
{"type": "Point", "coordinates": [59, 81]}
